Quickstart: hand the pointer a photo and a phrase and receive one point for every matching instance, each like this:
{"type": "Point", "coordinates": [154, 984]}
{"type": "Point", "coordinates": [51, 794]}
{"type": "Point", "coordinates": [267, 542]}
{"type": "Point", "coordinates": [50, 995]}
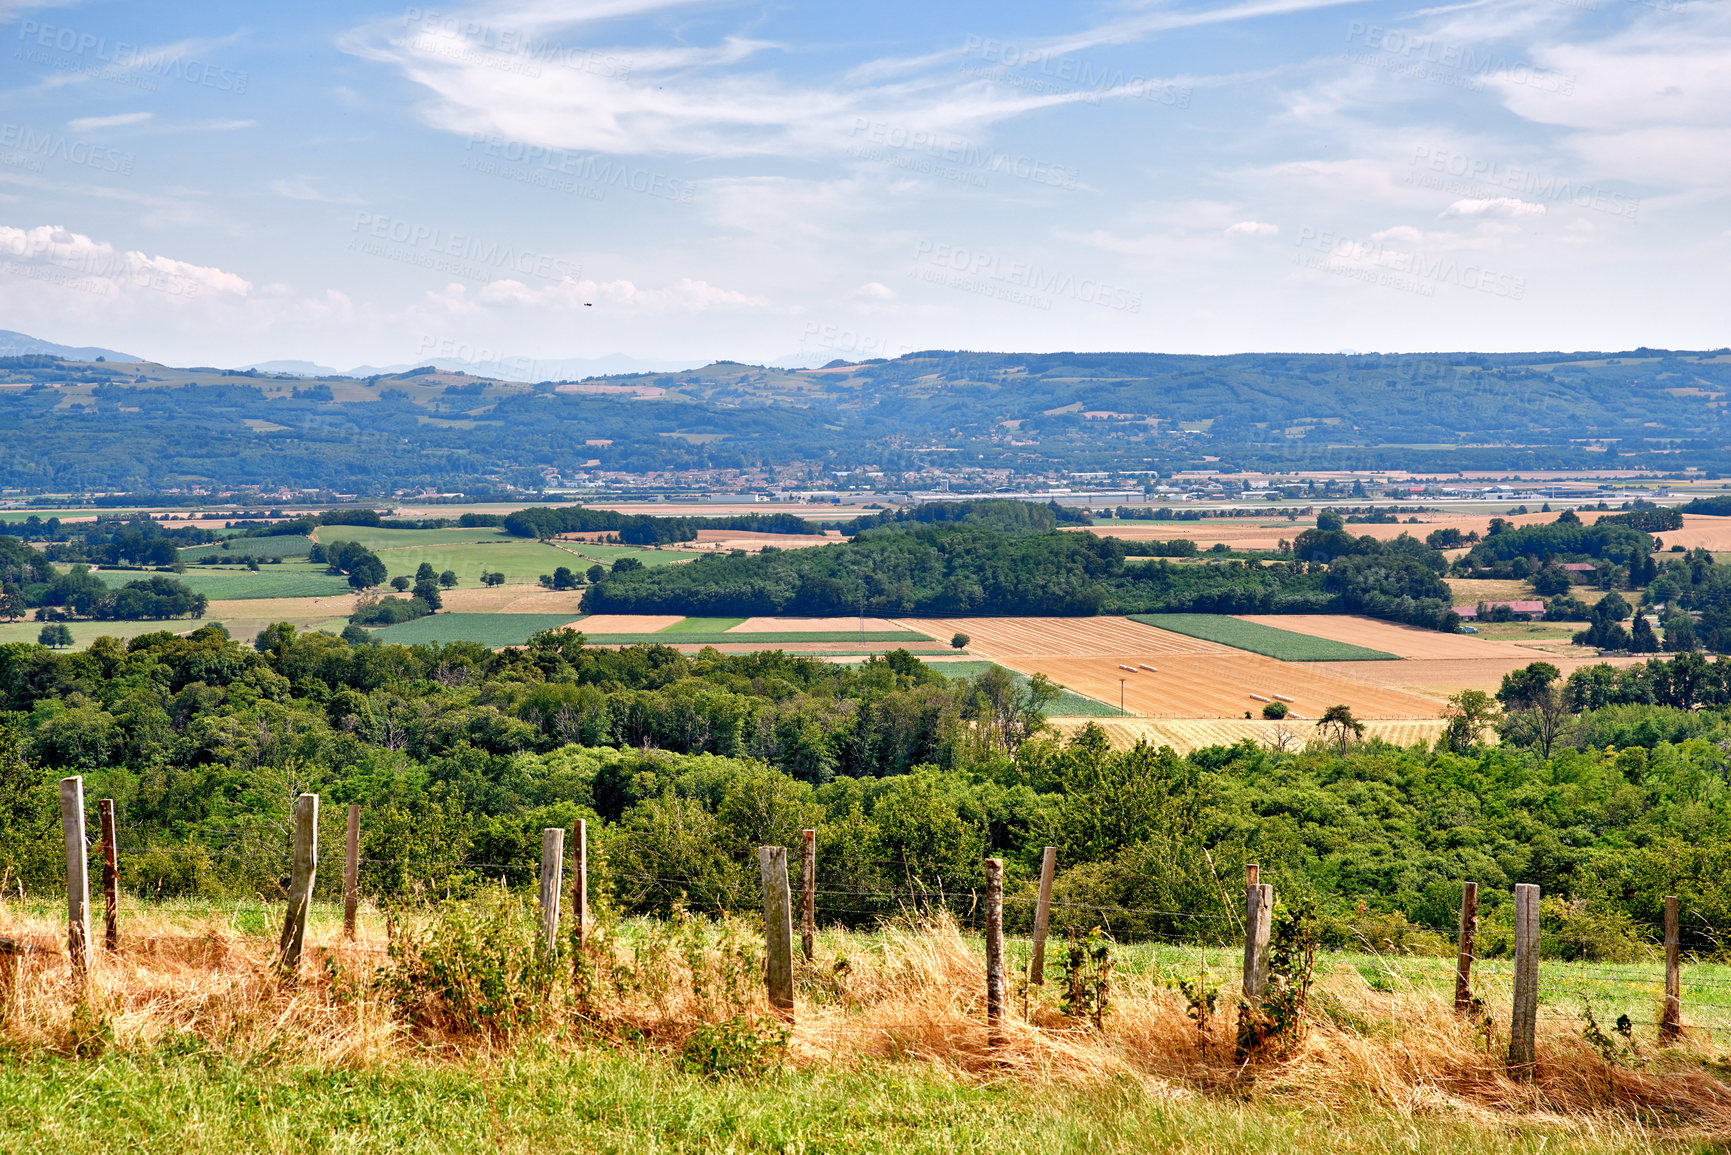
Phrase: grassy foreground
{"type": "Point", "coordinates": [193, 1104]}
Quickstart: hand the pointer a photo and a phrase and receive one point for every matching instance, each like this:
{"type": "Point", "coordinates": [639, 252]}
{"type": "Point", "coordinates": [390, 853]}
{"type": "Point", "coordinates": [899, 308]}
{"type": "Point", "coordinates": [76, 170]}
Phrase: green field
{"type": "Point", "coordinates": [284, 546]}
{"type": "Point", "coordinates": [590, 552]}
{"type": "Point", "coordinates": [702, 625]}
{"type": "Point", "coordinates": [1069, 704]}
{"type": "Point", "coordinates": [288, 580]}
{"type": "Point", "coordinates": [83, 633]}
{"type": "Point", "coordinates": [375, 538]}
{"type": "Point", "coordinates": [1261, 639]}
{"type": "Point", "coordinates": [489, 629]}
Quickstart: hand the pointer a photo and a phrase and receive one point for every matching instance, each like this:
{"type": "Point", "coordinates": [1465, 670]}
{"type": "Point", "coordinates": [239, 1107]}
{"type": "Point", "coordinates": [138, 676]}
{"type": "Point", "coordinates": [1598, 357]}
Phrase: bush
{"type": "Point", "coordinates": [1274, 711]}
{"type": "Point", "coordinates": [476, 970]}
{"type": "Point", "coordinates": [739, 1047]}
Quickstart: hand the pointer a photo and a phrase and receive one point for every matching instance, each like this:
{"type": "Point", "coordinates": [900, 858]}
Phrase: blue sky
{"type": "Point", "coordinates": [680, 182]}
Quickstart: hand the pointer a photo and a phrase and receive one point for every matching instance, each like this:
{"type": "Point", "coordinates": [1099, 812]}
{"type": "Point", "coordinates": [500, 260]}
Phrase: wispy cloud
{"type": "Point", "coordinates": [92, 123]}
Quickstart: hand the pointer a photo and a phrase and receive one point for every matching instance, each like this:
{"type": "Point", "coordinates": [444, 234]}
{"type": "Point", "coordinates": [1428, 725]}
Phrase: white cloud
{"type": "Point", "coordinates": [1503, 207]}
{"type": "Point", "coordinates": [875, 291]}
{"type": "Point", "coordinates": [300, 188]}
{"type": "Point", "coordinates": [92, 123]}
{"type": "Point", "coordinates": [49, 254]}
{"type": "Point", "coordinates": [1252, 229]}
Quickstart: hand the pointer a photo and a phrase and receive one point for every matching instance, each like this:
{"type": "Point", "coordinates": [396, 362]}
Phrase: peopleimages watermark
{"type": "Point", "coordinates": [571, 173]}
{"type": "Point", "coordinates": [1037, 70]}
{"type": "Point", "coordinates": [950, 157]}
{"type": "Point", "coordinates": [70, 50]}
{"type": "Point", "coordinates": [99, 270]}
{"type": "Point", "coordinates": [1466, 66]}
{"type": "Point", "coordinates": [855, 346]}
{"type": "Point", "coordinates": [505, 49]}
{"type": "Point", "coordinates": [1388, 267]}
{"type": "Point", "coordinates": [1018, 282]}
{"type": "Point", "coordinates": [23, 147]}
{"type": "Point", "coordinates": [457, 254]}
{"type": "Point", "coordinates": [1458, 174]}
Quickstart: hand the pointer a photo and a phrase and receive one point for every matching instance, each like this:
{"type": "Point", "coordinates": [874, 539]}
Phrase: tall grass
{"type": "Point", "coordinates": [888, 1048]}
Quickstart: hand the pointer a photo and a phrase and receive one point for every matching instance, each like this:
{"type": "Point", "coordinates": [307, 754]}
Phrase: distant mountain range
{"type": "Point", "coordinates": [509, 369]}
{"type": "Point", "coordinates": [22, 344]}
{"type": "Point", "coordinates": [146, 427]}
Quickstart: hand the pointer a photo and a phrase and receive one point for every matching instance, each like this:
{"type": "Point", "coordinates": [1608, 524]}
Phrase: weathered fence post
{"type": "Point", "coordinates": [77, 876]}
{"type": "Point", "coordinates": [110, 877]}
{"type": "Point", "coordinates": [1464, 947]}
{"type": "Point", "coordinates": [1523, 1022]}
{"type": "Point", "coordinates": [1042, 917]}
{"type": "Point", "coordinates": [994, 949]}
{"type": "Point", "coordinates": [579, 889]}
{"type": "Point", "coordinates": [1672, 1027]}
{"type": "Point", "coordinates": [352, 870]}
{"type": "Point", "coordinates": [1258, 912]}
{"type": "Point", "coordinates": [306, 865]}
{"type": "Point", "coordinates": [552, 884]}
{"type": "Point", "coordinates": [808, 893]}
{"type": "Point", "coordinates": [777, 928]}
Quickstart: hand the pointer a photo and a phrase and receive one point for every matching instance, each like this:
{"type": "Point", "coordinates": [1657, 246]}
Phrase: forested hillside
{"type": "Point", "coordinates": [1609, 789]}
{"type": "Point", "coordinates": [144, 427]}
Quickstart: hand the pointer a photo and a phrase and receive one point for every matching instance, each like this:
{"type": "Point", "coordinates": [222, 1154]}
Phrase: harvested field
{"type": "Point", "coordinates": [1441, 677]}
{"type": "Point", "coordinates": [1404, 641]}
{"type": "Point", "coordinates": [629, 623]}
{"type": "Point", "coordinates": [745, 539]}
{"type": "Point", "coordinates": [1220, 685]}
{"type": "Point", "coordinates": [818, 625]}
{"type": "Point", "coordinates": [1185, 736]}
{"type": "Point", "coordinates": [1063, 637]}
{"type": "Point", "coordinates": [517, 599]}
{"type": "Point", "coordinates": [1700, 532]}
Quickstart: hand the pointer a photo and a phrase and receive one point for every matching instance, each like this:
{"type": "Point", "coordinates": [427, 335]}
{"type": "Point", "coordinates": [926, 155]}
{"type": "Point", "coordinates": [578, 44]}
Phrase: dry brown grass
{"type": "Point", "coordinates": [907, 995]}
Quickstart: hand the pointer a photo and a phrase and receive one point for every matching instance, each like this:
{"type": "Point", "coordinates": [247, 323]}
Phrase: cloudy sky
{"type": "Point", "coordinates": [224, 184]}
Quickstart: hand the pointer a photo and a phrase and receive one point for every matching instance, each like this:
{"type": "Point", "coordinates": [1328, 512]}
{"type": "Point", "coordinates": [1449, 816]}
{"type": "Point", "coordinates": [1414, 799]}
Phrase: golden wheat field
{"type": "Point", "coordinates": [1187, 734]}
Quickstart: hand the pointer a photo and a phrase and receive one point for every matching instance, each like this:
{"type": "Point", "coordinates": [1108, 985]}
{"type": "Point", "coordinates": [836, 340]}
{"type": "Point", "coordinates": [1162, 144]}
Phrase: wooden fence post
{"type": "Point", "coordinates": [1523, 1022]}
{"type": "Point", "coordinates": [552, 884]}
{"type": "Point", "coordinates": [306, 865]}
{"type": "Point", "coordinates": [1258, 913]}
{"type": "Point", "coordinates": [352, 871]}
{"type": "Point", "coordinates": [808, 893]}
{"type": "Point", "coordinates": [1671, 1028]}
{"type": "Point", "coordinates": [777, 928]}
{"type": "Point", "coordinates": [110, 877]}
{"type": "Point", "coordinates": [579, 889]}
{"type": "Point", "coordinates": [1042, 917]}
{"type": "Point", "coordinates": [994, 949]}
{"type": "Point", "coordinates": [1464, 947]}
{"type": "Point", "coordinates": [77, 876]}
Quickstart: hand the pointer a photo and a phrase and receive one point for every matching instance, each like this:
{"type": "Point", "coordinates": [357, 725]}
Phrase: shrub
{"type": "Point", "coordinates": [476, 970]}
{"type": "Point", "coordinates": [1274, 711]}
{"type": "Point", "coordinates": [740, 1047]}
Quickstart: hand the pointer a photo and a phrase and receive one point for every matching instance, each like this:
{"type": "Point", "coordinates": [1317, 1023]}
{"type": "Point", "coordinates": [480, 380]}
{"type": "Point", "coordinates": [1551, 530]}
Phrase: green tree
{"type": "Point", "coordinates": [448, 579]}
{"type": "Point", "coordinates": [400, 583]}
{"type": "Point", "coordinates": [960, 642]}
{"type": "Point", "coordinates": [55, 634]}
{"type": "Point", "coordinates": [1468, 715]}
{"type": "Point", "coordinates": [1339, 726]}
{"type": "Point", "coordinates": [426, 573]}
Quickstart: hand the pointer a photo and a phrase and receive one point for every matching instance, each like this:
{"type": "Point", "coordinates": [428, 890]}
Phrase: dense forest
{"type": "Point", "coordinates": [1609, 788]}
{"type": "Point", "coordinates": [143, 427]}
{"type": "Point", "coordinates": [1006, 558]}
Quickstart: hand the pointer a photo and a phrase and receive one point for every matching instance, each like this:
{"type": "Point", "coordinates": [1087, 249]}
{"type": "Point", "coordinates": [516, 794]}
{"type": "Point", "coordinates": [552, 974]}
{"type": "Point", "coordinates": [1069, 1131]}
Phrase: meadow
{"type": "Point", "coordinates": [245, 547]}
{"type": "Point", "coordinates": [192, 1041]}
{"type": "Point", "coordinates": [288, 580]}
{"type": "Point", "coordinates": [492, 630]}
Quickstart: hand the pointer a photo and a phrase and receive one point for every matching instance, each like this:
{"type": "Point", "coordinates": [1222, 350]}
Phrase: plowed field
{"type": "Point", "coordinates": [1001, 638]}
{"type": "Point", "coordinates": [1220, 685]}
{"type": "Point", "coordinates": [1187, 736]}
{"type": "Point", "coordinates": [1444, 676]}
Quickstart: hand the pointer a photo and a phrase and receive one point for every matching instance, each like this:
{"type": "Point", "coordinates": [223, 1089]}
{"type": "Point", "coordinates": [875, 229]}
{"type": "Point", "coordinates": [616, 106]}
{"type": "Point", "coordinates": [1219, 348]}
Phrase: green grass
{"type": "Point", "coordinates": [489, 629]}
{"type": "Point", "coordinates": [288, 580]}
{"type": "Point", "coordinates": [1261, 639]}
{"type": "Point", "coordinates": [591, 552]}
{"type": "Point", "coordinates": [375, 538]}
{"type": "Point", "coordinates": [632, 1102]}
{"type": "Point", "coordinates": [1068, 704]}
{"type": "Point", "coordinates": [83, 633]}
{"type": "Point", "coordinates": [702, 625]}
{"type": "Point", "coordinates": [243, 547]}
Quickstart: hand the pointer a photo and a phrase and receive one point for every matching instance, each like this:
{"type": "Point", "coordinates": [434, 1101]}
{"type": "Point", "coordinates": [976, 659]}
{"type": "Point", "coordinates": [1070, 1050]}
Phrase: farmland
{"type": "Point", "coordinates": [493, 630]}
{"type": "Point", "coordinates": [1261, 636]}
{"type": "Point", "coordinates": [285, 545]}
{"type": "Point", "coordinates": [288, 580]}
